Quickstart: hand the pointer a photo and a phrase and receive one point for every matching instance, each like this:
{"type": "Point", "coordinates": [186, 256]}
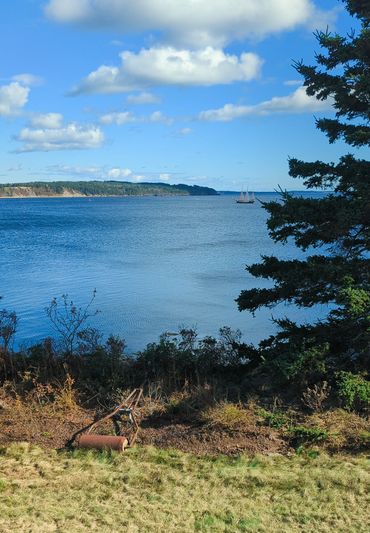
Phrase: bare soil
{"type": "Point", "coordinates": [49, 428]}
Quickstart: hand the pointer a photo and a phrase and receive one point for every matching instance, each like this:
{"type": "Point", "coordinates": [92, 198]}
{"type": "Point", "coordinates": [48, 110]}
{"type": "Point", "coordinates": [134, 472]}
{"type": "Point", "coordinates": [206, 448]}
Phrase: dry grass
{"type": "Point", "coordinates": [228, 416]}
{"type": "Point", "coordinates": [346, 430]}
{"type": "Point", "coordinates": [150, 490]}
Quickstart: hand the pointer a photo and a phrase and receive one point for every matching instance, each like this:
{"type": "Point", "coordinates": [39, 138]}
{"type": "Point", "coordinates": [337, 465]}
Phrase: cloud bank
{"type": "Point", "coordinates": [169, 66]}
{"type": "Point", "coordinates": [195, 23]}
{"type": "Point", "coordinates": [296, 102]}
{"type": "Point", "coordinates": [47, 120]}
{"type": "Point", "coordinates": [71, 136]}
{"type": "Point", "coordinates": [28, 79]}
{"type": "Point", "coordinates": [120, 118]}
{"type": "Point", "coordinates": [103, 173]}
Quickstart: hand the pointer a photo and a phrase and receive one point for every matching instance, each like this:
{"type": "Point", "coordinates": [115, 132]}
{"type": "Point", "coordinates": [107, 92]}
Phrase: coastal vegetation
{"type": "Point", "coordinates": [211, 385]}
{"type": "Point", "coordinates": [100, 188]}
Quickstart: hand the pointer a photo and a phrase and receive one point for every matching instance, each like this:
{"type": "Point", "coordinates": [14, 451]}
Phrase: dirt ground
{"type": "Point", "coordinates": [52, 429]}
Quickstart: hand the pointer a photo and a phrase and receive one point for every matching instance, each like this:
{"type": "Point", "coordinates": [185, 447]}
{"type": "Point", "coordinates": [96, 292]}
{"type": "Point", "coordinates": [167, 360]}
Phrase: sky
{"type": "Point", "coordinates": [175, 91]}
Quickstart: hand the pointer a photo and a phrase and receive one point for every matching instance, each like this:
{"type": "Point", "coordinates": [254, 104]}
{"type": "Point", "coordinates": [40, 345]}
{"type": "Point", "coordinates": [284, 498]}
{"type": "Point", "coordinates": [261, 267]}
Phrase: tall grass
{"type": "Point", "coordinates": [151, 490]}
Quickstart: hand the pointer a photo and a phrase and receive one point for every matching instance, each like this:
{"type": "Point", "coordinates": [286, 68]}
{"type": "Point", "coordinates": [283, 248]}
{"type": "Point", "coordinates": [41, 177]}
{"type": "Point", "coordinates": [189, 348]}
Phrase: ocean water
{"type": "Point", "coordinates": [156, 263]}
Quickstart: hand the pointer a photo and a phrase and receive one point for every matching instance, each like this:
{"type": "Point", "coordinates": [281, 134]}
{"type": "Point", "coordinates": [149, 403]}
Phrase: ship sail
{"type": "Point", "coordinates": [245, 198]}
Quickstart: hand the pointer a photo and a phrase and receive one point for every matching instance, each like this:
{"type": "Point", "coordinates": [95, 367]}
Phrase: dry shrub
{"type": "Point", "coordinates": [182, 404]}
{"type": "Point", "coordinates": [6, 393]}
{"type": "Point", "coordinates": [65, 395]}
{"type": "Point", "coordinates": [30, 394]}
{"type": "Point", "coordinates": [154, 401]}
{"type": "Point", "coordinates": [228, 416]}
{"type": "Point", "coordinates": [40, 394]}
{"type": "Point", "coordinates": [179, 402]}
{"type": "Point", "coordinates": [187, 402]}
{"type": "Point", "coordinates": [315, 397]}
{"type": "Point", "coordinates": [346, 430]}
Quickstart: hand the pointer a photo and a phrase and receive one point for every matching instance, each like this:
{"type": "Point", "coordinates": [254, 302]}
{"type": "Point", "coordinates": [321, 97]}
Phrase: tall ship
{"type": "Point", "coordinates": [245, 198]}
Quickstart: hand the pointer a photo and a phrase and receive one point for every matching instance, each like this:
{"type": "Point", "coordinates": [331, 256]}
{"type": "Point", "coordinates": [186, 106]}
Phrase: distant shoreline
{"type": "Point", "coordinates": [99, 189]}
{"type": "Point", "coordinates": [45, 197]}
{"type": "Point", "coordinates": [156, 195]}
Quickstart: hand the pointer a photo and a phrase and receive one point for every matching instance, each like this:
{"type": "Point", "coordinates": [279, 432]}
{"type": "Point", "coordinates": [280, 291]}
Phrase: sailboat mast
{"type": "Point", "coordinates": [245, 197]}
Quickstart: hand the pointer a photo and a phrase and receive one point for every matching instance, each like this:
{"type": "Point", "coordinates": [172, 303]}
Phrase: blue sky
{"type": "Point", "coordinates": [190, 91]}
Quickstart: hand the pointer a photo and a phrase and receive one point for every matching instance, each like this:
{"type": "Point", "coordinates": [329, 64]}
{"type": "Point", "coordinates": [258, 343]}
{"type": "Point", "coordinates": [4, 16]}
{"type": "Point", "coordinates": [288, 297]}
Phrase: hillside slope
{"type": "Point", "coordinates": [99, 188]}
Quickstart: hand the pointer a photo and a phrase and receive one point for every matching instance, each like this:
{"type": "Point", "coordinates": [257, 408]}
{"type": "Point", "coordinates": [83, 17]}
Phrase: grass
{"type": "Point", "coordinates": [227, 415]}
{"type": "Point", "coordinates": [152, 490]}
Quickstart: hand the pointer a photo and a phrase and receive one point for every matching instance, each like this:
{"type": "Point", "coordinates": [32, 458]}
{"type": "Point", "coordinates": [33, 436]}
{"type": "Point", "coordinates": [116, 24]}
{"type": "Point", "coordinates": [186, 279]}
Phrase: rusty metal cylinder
{"type": "Point", "coordinates": [102, 442]}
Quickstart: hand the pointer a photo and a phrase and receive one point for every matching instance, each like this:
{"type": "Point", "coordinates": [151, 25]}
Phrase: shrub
{"type": "Point", "coordinates": [276, 420]}
{"type": "Point", "coordinates": [314, 397]}
{"type": "Point", "coordinates": [8, 328]}
{"type": "Point", "coordinates": [309, 366]}
{"type": "Point", "coordinates": [364, 437]}
{"type": "Point", "coordinates": [347, 430]}
{"type": "Point", "coordinates": [302, 435]}
{"type": "Point", "coordinates": [183, 358]}
{"type": "Point", "coordinates": [354, 391]}
{"type": "Point", "coordinates": [65, 396]}
{"type": "Point", "coordinates": [227, 415]}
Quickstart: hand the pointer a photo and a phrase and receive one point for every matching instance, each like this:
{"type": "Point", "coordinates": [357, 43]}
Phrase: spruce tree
{"type": "Point", "coordinates": [333, 230]}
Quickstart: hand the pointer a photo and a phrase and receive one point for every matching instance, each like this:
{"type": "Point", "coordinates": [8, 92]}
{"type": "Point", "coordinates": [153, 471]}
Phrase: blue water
{"type": "Point", "coordinates": [156, 263]}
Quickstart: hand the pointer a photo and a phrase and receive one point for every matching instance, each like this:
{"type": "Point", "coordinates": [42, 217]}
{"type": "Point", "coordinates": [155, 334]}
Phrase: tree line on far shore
{"type": "Point", "coordinates": [102, 188]}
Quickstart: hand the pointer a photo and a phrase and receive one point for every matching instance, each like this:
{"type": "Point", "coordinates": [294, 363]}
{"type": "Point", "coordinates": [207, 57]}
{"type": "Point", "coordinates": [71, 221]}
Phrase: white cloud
{"type": "Point", "coordinates": [126, 117]}
{"type": "Point", "coordinates": [165, 177]}
{"type": "Point", "coordinates": [296, 102]}
{"type": "Point", "coordinates": [13, 98]}
{"type": "Point", "coordinates": [74, 171]}
{"type": "Point", "coordinates": [118, 118]}
{"type": "Point", "coordinates": [197, 23]}
{"type": "Point", "coordinates": [71, 136]}
{"type": "Point", "coordinates": [291, 83]}
{"type": "Point", "coordinates": [119, 173]}
{"type": "Point", "coordinates": [28, 79]}
{"type": "Point", "coordinates": [104, 173]}
{"type": "Point", "coordinates": [320, 19]}
{"type": "Point", "coordinates": [185, 131]}
{"type": "Point", "coordinates": [47, 120]}
{"type": "Point", "coordinates": [159, 117]}
{"type": "Point", "coordinates": [155, 67]}
{"type": "Point", "coordinates": [101, 173]}
{"type": "Point", "coordinates": [143, 98]}
{"type": "Point", "coordinates": [137, 178]}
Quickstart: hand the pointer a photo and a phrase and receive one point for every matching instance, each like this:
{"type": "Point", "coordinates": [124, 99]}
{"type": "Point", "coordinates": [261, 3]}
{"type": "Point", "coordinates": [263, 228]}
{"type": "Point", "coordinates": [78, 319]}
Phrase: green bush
{"type": "Point", "coordinates": [354, 391]}
{"type": "Point", "coordinates": [275, 420]}
{"type": "Point", "coordinates": [303, 435]}
{"type": "Point", "coordinates": [309, 366]}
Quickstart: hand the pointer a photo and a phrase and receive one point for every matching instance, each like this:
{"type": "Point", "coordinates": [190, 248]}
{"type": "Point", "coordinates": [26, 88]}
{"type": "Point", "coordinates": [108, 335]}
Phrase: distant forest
{"type": "Point", "coordinates": [101, 188]}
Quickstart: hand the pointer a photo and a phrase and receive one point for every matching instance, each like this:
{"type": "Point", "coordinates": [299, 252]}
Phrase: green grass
{"type": "Point", "coordinates": [151, 490]}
